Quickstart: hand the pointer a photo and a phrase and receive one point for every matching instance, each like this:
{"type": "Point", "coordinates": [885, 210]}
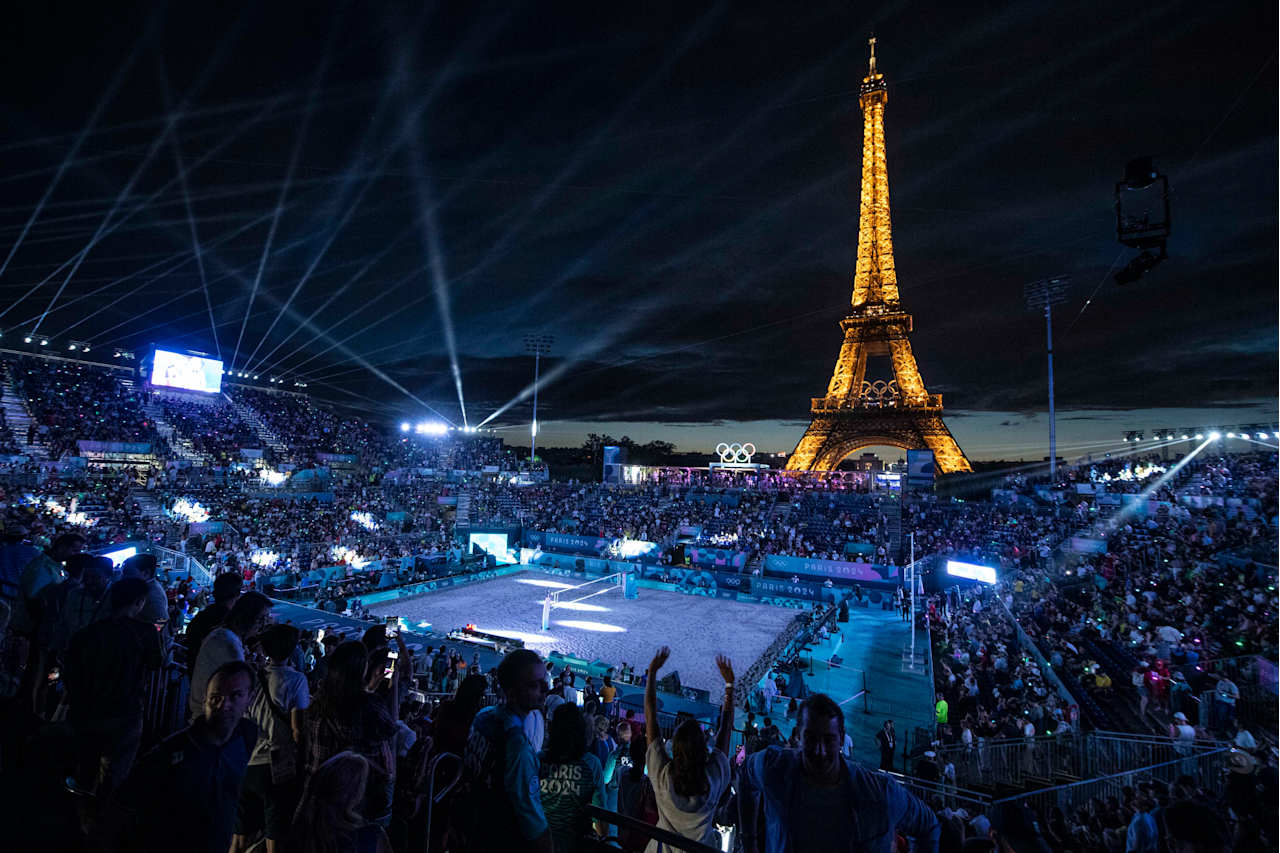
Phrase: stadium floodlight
{"type": "Point", "coordinates": [1215, 435]}
{"type": "Point", "coordinates": [72, 347]}
{"type": "Point", "coordinates": [1231, 435]}
{"type": "Point", "coordinates": [44, 342]}
{"type": "Point", "coordinates": [405, 426]}
{"type": "Point", "coordinates": [1262, 435]}
{"type": "Point", "coordinates": [255, 376]}
{"type": "Point", "coordinates": [27, 340]}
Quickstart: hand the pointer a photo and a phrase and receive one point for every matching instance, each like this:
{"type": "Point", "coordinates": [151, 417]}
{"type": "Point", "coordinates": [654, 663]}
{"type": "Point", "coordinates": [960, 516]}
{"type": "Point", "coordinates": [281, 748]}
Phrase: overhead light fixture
{"type": "Point", "coordinates": [26, 340]}
{"type": "Point", "coordinates": [1215, 435]}
{"type": "Point", "coordinates": [44, 342]}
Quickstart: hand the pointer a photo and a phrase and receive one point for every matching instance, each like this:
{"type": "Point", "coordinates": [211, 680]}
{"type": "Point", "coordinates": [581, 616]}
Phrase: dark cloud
{"type": "Point", "coordinates": [673, 195]}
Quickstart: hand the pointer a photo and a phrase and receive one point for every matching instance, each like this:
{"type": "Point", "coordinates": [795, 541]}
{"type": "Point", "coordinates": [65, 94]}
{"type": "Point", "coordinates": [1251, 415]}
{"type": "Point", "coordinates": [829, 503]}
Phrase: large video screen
{"type": "Point", "coordinates": [188, 372]}
{"type": "Point", "coordinates": [495, 544]}
{"type": "Point", "coordinates": [971, 571]}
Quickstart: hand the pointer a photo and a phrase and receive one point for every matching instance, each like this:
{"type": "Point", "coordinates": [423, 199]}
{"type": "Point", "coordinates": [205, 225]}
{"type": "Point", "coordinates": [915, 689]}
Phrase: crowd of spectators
{"type": "Point", "coordinates": [70, 400]}
{"type": "Point", "coordinates": [212, 426]}
{"type": "Point", "coordinates": [1170, 590]}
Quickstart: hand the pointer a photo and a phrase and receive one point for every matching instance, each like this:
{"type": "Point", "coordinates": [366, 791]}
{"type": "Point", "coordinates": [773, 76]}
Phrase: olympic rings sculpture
{"type": "Point", "coordinates": [736, 454]}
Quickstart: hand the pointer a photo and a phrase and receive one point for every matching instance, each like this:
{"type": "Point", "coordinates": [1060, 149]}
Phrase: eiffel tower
{"type": "Point", "coordinates": [855, 412]}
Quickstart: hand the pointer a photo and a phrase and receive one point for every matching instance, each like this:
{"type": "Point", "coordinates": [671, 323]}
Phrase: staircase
{"type": "Point", "coordinates": [268, 438]}
{"type": "Point", "coordinates": [19, 419]}
{"type": "Point", "coordinates": [462, 516]}
{"type": "Point", "coordinates": [893, 528]}
{"type": "Point", "coordinates": [147, 502]}
{"type": "Point", "coordinates": [179, 445]}
{"type": "Point", "coordinates": [780, 511]}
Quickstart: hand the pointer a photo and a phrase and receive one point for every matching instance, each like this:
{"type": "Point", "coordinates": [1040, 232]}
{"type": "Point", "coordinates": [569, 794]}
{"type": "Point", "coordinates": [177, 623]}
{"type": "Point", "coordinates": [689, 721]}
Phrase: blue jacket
{"type": "Point", "coordinates": [878, 805]}
{"type": "Point", "coordinates": [502, 771]}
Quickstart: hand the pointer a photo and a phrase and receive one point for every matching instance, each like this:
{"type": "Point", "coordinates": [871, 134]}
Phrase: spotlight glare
{"type": "Point", "coordinates": [1231, 435]}
{"type": "Point", "coordinates": [1262, 435]}
{"type": "Point", "coordinates": [44, 342]}
{"type": "Point", "coordinates": [1215, 435]}
{"type": "Point", "coordinates": [405, 426]}
{"type": "Point", "coordinates": [26, 340]}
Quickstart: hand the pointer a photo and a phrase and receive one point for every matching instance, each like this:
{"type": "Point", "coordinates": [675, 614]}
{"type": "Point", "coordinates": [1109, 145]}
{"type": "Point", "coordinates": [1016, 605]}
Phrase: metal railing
{"type": "Point", "coordinates": [662, 836]}
{"type": "Point", "coordinates": [1206, 767]}
{"type": "Point", "coordinates": [181, 564]}
{"type": "Point", "coordinates": [1048, 759]}
{"type": "Point", "coordinates": [1025, 641]}
{"type": "Point", "coordinates": [950, 794]}
{"type": "Point", "coordinates": [164, 702]}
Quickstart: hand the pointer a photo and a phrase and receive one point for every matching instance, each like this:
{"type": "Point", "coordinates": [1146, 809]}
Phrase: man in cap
{"type": "Point", "coordinates": [1183, 734]}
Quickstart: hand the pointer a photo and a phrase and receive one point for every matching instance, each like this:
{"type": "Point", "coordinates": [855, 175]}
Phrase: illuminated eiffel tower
{"type": "Point", "coordinates": [855, 412]}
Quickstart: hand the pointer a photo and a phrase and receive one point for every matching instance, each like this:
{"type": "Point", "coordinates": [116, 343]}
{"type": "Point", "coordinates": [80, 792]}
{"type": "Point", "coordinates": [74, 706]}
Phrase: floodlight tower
{"type": "Point", "coordinates": [539, 345]}
{"type": "Point", "coordinates": [1042, 296]}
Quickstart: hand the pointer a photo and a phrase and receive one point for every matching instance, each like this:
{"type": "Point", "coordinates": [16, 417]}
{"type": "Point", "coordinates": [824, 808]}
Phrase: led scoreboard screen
{"type": "Point", "coordinates": [188, 372]}
{"type": "Point", "coordinates": [971, 571]}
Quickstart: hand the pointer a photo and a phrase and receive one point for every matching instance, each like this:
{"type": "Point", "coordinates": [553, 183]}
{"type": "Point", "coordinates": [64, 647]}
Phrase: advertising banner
{"type": "Point", "coordinates": [202, 527]}
{"type": "Point", "coordinates": [834, 569]}
{"type": "Point", "coordinates": [734, 581]}
{"type": "Point", "coordinates": [807, 590]}
{"type": "Point", "coordinates": [140, 448]}
{"type": "Point", "coordinates": [566, 542]}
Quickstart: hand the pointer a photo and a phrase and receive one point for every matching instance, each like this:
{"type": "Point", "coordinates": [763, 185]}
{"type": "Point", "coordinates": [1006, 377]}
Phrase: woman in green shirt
{"type": "Point", "coordinates": [569, 777]}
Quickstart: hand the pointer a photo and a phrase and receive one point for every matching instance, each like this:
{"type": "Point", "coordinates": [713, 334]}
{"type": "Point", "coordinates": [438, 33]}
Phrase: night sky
{"type": "Point", "coordinates": [672, 193]}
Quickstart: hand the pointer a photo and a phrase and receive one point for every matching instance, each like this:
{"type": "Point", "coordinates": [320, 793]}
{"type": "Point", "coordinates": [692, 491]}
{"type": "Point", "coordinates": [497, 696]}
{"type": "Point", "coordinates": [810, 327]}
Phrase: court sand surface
{"type": "Point", "coordinates": [606, 626]}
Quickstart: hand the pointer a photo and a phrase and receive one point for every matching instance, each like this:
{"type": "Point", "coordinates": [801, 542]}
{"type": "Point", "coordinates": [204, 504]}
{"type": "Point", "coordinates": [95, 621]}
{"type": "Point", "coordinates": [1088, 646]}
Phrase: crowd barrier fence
{"type": "Point", "coordinates": [1040, 761]}
{"type": "Point", "coordinates": [1206, 767]}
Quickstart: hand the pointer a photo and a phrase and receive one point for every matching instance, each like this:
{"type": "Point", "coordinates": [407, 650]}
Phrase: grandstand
{"type": "Point", "coordinates": [1118, 607]}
